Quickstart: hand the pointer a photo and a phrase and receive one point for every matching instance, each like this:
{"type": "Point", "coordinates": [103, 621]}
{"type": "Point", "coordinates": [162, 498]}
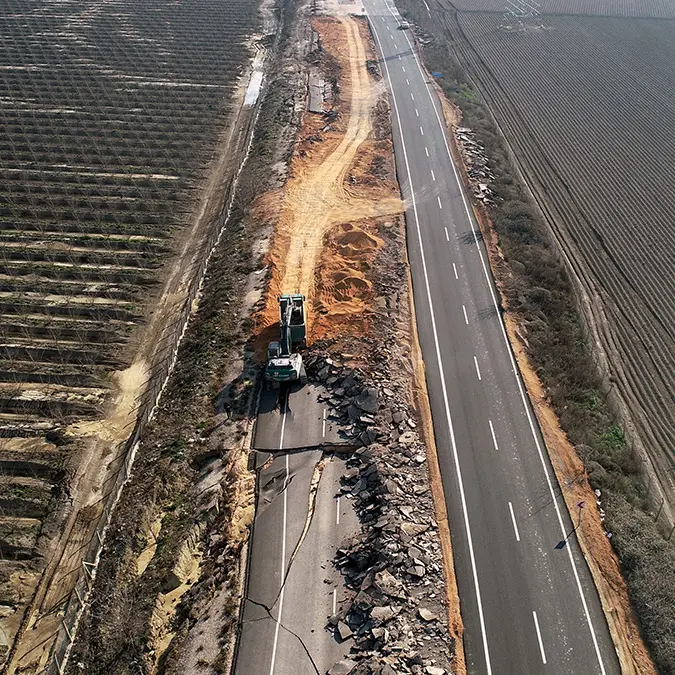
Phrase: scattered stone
{"type": "Point", "coordinates": [367, 400]}
{"type": "Point", "coordinates": [383, 614]}
{"type": "Point", "coordinates": [343, 667]}
{"type": "Point", "coordinates": [389, 584]}
{"type": "Point", "coordinates": [344, 631]}
{"type": "Point", "coordinates": [426, 614]}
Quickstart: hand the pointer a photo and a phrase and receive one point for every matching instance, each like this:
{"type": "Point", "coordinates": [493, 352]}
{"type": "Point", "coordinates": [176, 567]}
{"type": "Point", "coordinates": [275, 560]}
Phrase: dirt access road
{"type": "Point", "coordinates": [326, 188]}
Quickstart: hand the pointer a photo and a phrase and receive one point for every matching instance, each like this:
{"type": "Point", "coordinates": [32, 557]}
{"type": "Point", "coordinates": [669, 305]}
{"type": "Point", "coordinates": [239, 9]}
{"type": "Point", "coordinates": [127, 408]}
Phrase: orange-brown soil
{"type": "Point", "coordinates": [342, 183]}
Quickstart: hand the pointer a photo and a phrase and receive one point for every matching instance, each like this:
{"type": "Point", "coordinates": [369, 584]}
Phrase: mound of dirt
{"type": "Point", "coordinates": [344, 291]}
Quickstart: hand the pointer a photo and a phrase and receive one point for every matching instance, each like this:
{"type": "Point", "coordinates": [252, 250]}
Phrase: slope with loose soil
{"type": "Point", "coordinates": [334, 184]}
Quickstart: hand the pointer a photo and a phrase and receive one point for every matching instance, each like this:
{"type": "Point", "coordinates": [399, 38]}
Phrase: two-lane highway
{"type": "Point", "coordinates": [529, 605]}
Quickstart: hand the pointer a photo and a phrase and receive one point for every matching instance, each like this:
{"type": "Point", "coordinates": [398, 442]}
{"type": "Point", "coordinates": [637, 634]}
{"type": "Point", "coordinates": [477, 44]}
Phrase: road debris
{"type": "Point", "coordinates": [395, 618]}
{"type": "Point", "coordinates": [476, 163]}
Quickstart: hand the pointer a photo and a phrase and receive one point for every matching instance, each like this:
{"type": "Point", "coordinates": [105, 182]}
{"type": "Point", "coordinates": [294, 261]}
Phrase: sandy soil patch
{"type": "Point", "coordinates": [326, 232]}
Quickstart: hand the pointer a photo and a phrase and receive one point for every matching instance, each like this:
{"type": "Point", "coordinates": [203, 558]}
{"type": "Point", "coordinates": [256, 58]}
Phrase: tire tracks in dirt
{"type": "Point", "coordinates": [317, 197]}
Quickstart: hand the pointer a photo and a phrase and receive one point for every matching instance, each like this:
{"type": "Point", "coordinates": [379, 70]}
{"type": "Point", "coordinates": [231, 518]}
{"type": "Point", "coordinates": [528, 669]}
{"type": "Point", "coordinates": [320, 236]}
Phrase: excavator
{"type": "Point", "coordinates": [283, 364]}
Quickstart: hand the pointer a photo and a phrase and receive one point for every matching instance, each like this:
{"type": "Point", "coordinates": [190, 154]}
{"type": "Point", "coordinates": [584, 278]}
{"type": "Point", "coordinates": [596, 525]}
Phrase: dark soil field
{"type": "Point", "coordinates": [113, 120]}
{"type": "Point", "coordinates": [637, 8]}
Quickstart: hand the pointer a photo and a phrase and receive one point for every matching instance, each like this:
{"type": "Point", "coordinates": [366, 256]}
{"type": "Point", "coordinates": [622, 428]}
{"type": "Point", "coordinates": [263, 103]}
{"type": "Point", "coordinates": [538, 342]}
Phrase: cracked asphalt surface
{"type": "Point", "coordinates": [292, 586]}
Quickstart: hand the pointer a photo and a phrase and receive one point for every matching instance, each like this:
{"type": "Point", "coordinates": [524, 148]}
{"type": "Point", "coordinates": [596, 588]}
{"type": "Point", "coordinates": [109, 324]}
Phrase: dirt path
{"type": "Point", "coordinates": [318, 198]}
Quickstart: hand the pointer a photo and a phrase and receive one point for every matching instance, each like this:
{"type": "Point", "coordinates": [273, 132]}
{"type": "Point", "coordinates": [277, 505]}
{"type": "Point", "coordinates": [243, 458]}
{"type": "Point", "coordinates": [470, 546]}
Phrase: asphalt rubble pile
{"type": "Point", "coordinates": [477, 167]}
{"type": "Point", "coordinates": [397, 618]}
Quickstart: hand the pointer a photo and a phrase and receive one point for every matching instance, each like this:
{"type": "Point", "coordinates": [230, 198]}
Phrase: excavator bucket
{"type": "Point", "coordinates": [297, 320]}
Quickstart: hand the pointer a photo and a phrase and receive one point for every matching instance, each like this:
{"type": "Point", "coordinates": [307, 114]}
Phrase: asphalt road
{"type": "Point", "coordinates": [298, 415]}
{"type": "Point", "coordinates": [292, 586]}
{"type": "Point", "coordinates": [529, 605]}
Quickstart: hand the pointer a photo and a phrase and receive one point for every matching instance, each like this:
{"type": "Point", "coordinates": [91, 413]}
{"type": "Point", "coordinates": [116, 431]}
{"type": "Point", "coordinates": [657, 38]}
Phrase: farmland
{"type": "Point", "coordinates": [114, 121]}
{"type": "Point", "coordinates": [661, 9]}
{"type": "Point", "coordinates": [598, 146]}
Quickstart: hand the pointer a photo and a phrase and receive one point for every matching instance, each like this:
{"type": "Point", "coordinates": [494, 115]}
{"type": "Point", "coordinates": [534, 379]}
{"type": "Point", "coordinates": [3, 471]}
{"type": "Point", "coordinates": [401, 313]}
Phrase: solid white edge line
{"type": "Point", "coordinates": [475, 363]}
{"type": "Point", "coordinates": [466, 317]}
{"type": "Point", "coordinates": [515, 525]}
{"type": "Point", "coordinates": [451, 430]}
{"type": "Point", "coordinates": [337, 511]}
{"type": "Point", "coordinates": [494, 436]}
{"type": "Point", "coordinates": [283, 545]}
{"type": "Point", "coordinates": [541, 642]}
{"type": "Point", "coordinates": [334, 601]}
{"type": "Point", "coordinates": [515, 371]}
{"type": "Point", "coordinates": [323, 424]}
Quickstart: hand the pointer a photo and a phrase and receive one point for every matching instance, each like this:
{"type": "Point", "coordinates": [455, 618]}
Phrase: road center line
{"type": "Point", "coordinates": [422, 131]}
{"type": "Point", "coordinates": [440, 203]}
{"type": "Point", "coordinates": [541, 642]}
{"type": "Point", "coordinates": [454, 267]}
{"type": "Point", "coordinates": [283, 540]}
{"type": "Point", "coordinates": [494, 437]}
{"type": "Point", "coordinates": [475, 363]}
{"type": "Point", "coordinates": [417, 112]}
{"type": "Point", "coordinates": [403, 68]}
{"type": "Point", "coordinates": [412, 96]}
{"type": "Point", "coordinates": [447, 238]}
{"type": "Point", "coordinates": [466, 318]}
{"type": "Point", "coordinates": [439, 359]}
{"type": "Point", "coordinates": [516, 373]}
{"type": "Point", "coordinates": [407, 81]}
{"type": "Point", "coordinates": [515, 529]}
{"type": "Point", "coordinates": [433, 175]}
{"type": "Point", "coordinates": [426, 150]}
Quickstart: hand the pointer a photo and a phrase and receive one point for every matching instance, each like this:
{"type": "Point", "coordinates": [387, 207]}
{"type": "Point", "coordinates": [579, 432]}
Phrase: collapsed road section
{"type": "Point", "coordinates": [346, 570]}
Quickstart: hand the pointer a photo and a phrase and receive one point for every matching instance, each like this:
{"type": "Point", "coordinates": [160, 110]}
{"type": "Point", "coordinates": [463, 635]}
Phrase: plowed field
{"type": "Point", "coordinates": [637, 8]}
{"type": "Point", "coordinates": [114, 117]}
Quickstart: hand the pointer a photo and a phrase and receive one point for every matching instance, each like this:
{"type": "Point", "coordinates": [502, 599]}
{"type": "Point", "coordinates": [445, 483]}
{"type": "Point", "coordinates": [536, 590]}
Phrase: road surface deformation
{"type": "Point", "coordinates": [292, 586]}
{"type": "Point", "coordinates": [306, 420]}
{"type": "Point", "coordinates": [528, 601]}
